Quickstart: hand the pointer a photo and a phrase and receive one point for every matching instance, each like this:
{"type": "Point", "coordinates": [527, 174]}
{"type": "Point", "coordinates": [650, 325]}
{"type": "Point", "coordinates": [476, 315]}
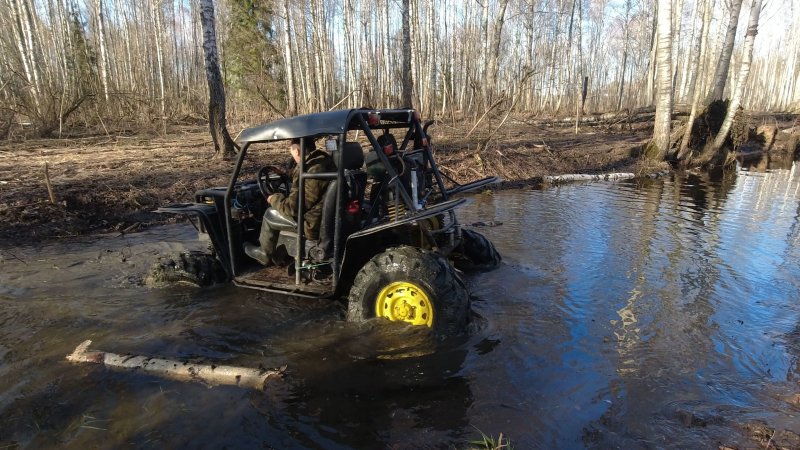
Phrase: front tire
{"type": "Point", "coordinates": [192, 267]}
{"type": "Point", "coordinates": [411, 285]}
{"type": "Point", "coordinates": [476, 253]}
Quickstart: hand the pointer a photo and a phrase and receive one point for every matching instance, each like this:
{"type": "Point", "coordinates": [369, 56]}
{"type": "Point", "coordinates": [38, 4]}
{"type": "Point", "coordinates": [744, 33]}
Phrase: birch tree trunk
{"type": "Point", "coordinates": [158, 26]}
{"type": "Point", "coordinates": [490, 83]}
{"type": "Point", "coordinates": [24, 39]}
{"type": "Point", "coordinates": [658, 147]}
{"type": "Point", "coordinates": [291, 98]}
{"type": "Point", "coordinates": [721, 72]}
{"type": "Point", "coordinates": [624, 54]}
{"type": "Point", "coordinates": [28, 30]}
{"type": "Point", "coordinates": [19, 40]}
{"type": "Point", "coordinates": [652, 71]}
{"type": "Point", "coordinates": [103, 52]}
{"type": "Point", "coordinates": [697, 56]}
{"type": "Point", "coordinates": [408, 82]}
{"type": "Point", "coordinates": [744, 72]}
{"type": "Point", "coordinates": [223, 144]}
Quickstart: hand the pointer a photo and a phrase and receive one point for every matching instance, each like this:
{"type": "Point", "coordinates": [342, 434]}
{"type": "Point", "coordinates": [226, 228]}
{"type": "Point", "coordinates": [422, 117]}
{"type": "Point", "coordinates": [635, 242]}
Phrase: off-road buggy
{"type": "Point", "coordinates": [388, 239]}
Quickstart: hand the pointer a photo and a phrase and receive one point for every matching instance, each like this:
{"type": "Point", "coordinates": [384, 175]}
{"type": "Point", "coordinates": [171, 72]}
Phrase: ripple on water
{"type": "Point", "coordinates": [655, 313]}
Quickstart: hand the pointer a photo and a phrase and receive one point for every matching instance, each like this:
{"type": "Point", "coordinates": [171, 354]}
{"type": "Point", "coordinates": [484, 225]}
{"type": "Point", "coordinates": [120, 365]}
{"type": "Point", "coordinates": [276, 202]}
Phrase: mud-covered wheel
{"type": "Point", "coordinates": [476, 253]}
{"type": "Point", "coordinates": [411, 285]}
{"type": "Point", "coordinates": [193, 267]}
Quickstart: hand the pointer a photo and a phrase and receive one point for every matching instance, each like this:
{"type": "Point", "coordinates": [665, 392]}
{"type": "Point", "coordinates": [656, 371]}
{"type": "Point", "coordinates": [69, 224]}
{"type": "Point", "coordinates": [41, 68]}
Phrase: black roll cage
{"type": "Point", "coordinates": [356, 119]}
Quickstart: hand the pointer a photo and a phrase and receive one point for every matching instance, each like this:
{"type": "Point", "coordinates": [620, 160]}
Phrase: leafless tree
{"type": "Point", "coordinates": [406, 73]}
{"type": "Point", "coordinates": [658, 147]}
{"type": "Point", "coordinates": [721, 72]}
{"type": "Point", "coordinates": [223, 144]}
{"type": "Point", "coordinates": [744, 73]}
{"type": "Point", "coordinates": [142, 63]}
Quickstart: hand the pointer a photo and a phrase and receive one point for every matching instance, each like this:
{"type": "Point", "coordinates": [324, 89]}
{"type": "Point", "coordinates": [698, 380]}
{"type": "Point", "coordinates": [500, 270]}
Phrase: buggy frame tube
{"type": "Point", "coordinates": [394, 179]}
{"type": "Point", "coordinates": [227, 212]}
{"type": "Point", "coordinates": [301, 196]}
{"type": "Point", "coordinates": [298, 257]}
{"type": "Point", "coordinates": [419, 131]}
{"type": "Point", "coordinates": [337, 228]}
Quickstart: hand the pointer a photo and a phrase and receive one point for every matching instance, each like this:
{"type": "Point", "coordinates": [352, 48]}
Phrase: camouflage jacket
{"type": "Point", "coordinates": [317, 161]}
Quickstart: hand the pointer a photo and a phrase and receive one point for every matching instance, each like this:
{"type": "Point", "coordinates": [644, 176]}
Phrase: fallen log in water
{"type": "Point", "coordinates": [177, 370]}
{"type": "Point", "coordinates": [556, 179]}
{"type": "Point", "coordinates": [553, 179]}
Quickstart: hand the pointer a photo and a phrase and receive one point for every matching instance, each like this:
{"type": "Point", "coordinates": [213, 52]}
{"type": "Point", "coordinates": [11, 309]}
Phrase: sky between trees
{"type": "Point", "coordinates": [142, 61]}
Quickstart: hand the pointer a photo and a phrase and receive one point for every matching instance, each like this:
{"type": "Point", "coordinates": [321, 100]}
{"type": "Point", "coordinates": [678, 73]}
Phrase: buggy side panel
{"type": "Point", "coordinates": [363, 245]}
{"type": "Point", "coordinates": [211, 222]}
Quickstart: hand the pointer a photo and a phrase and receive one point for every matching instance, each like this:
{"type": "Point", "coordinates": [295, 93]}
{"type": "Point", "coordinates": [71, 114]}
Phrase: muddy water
{"type": "Point", "coordinates": [657, 314]}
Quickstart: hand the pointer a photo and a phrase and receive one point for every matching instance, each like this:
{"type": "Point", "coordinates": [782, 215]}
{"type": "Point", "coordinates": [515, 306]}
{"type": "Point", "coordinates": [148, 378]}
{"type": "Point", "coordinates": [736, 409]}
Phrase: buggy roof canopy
{"type": "Point", "coordinates": [329, 122]}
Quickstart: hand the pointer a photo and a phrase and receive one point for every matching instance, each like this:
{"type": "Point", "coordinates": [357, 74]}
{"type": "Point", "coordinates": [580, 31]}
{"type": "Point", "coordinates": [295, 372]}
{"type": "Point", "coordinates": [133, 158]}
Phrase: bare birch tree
{"type": "Point", "coordinates": [406, 71]}
{"type": "Point", "coordinates": [140, 60]}
{"type": "Point", "coordinates": [223, 144]}
{"type": "Point", "coordinates": [699, 53]}
{"type": "Point", "coordinates": [721, 72]}
{"type": "Point", "coordinates": [103, 63]}
{"type": "Point", "coordinates": [658, 147]}
{"type": "Point", "coordinates": [744, 72]}
{"type": "Point", "coordinates": [493, 52]}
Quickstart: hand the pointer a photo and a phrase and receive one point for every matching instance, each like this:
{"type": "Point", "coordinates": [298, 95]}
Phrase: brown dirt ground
{"type": "Point", "coordinates": [114, 182]}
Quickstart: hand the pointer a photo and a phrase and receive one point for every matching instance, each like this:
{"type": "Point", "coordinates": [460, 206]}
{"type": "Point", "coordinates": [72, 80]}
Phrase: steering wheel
{"type": "Point", "coordinates": [273, 180]}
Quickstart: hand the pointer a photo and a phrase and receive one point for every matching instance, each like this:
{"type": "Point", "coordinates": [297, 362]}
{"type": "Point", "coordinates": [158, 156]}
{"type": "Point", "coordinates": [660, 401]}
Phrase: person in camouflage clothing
{"type": "Point", "coordinates": [317, 161]}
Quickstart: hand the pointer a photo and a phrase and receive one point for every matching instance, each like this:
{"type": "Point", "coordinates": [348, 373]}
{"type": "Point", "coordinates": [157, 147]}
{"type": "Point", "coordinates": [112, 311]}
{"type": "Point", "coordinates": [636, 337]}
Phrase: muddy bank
{"type": "Point", "coordinates": [114, 182]}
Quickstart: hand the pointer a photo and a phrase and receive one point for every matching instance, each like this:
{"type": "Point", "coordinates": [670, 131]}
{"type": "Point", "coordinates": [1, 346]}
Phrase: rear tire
{"type": "Point", "coordinates": [411, 285]}
{"type": "Point", "coordinates": [192, 267]}
{"type": "Point", "coordinates": [476, 253]}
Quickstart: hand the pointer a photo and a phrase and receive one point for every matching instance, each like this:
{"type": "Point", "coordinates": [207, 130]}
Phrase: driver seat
{"type": "Point", "coordinates": [355, 182]}
{"type": "Point", "coordinates": [278, 221]}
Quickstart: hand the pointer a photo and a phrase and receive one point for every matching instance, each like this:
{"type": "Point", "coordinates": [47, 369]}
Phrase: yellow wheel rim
{"type": "Point", "coordinates": [406, 302]}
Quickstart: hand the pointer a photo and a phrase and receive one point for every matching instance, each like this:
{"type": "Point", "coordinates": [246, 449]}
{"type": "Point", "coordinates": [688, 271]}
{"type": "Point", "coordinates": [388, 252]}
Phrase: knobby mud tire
{"type": "Point", "coordinates": [476, 253]}
{"type": "Point", "coordinates": [444, 288]}
{"type": "Point", "coordinates": [193, 267]}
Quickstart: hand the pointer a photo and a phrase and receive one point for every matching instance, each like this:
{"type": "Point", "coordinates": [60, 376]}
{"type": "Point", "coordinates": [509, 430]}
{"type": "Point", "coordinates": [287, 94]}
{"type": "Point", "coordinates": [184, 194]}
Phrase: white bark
{"type": "Point", "coordinates": [223, 143]}
{"type": "Point", "coordinates": [661, 131]}
{"type": "Point", "coordinates": [697, 56]}
{"type": "Point", "coordinates": [291, 98]}
{"type": "Point", "coordinates": [556, 179]}
{"type": "Point", "coordinates": [178, 370]}
{"type": "Point", "coordinates": [744, 72]}
{"type": "Point", "coordinates": [721, 73]}
{"type": "Point", "coordinates": [103, 63]}
{"type": "Point", "coordinates": [158, 26]}
{"type": "Point", "coordinates": [407, 79]}
{"type": "Point", "coordinates": [24, 40]}
{"type": "Point", "coordinates": [624, 54]}
{"type": "Point", "coordinates": [493, 52]}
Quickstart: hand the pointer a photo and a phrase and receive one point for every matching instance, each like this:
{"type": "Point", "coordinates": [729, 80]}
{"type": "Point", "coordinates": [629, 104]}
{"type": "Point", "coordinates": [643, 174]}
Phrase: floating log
{"type": "Point", "coordinates": [178, 370]}
{"type": "Point", "coordinates": [587, 177]}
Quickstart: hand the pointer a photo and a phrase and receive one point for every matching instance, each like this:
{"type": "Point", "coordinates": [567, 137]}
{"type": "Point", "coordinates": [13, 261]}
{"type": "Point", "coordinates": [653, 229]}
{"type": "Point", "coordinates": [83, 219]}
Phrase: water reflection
{"type": "Point", "coordinates": [654, 313]}
{"type": "Point", "coordinates": [665, 301]}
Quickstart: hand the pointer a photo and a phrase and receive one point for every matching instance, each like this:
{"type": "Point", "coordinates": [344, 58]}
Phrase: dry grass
{"type": "Point", "coordinates": [115, 182]}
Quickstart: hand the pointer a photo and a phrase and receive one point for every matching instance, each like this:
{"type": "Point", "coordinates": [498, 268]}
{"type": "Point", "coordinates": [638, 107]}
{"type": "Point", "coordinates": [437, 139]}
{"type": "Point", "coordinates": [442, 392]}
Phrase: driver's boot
{"type": "Point", "coordinates": [262, 252]}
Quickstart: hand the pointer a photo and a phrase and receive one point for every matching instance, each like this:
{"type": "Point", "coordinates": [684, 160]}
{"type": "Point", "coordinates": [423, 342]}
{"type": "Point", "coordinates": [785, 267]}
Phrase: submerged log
{"type": "Point", "coordinates": [178, 370]}
{"type": "Point", "coordinates": [586, 177]}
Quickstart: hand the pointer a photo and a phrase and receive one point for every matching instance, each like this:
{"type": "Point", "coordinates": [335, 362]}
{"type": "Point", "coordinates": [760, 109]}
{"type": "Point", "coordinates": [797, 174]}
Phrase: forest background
{"type": "Point", "coordinates": [117, 68]}
{"type": "Point", "coordinates": [139, 63]}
